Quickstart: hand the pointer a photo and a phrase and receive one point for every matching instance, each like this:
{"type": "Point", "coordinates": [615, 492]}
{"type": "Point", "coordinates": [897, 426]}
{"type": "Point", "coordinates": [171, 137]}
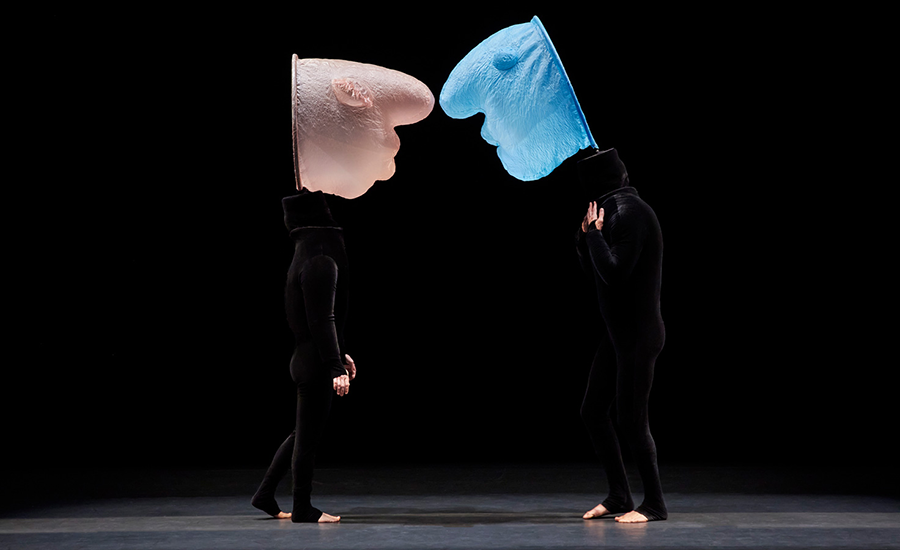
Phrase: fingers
{"type": "Point", "coordinates": [592, 216]}
{"type": "Point", "coordinates": [341, 384]}
{"type": "Point", "coordinates": [351, 366]}
{"type": "Point", "coordinates": [598, 223]}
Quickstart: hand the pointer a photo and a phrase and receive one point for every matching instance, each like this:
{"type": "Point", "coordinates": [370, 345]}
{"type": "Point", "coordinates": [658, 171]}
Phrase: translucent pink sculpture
{"type": "Point", "coordinates": [344, 114]}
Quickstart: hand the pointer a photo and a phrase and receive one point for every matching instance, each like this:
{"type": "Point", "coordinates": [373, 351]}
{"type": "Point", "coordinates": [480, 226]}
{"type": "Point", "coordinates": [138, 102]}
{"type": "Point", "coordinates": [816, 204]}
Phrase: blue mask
{"type": "Point", "coordinates": [531, 114]}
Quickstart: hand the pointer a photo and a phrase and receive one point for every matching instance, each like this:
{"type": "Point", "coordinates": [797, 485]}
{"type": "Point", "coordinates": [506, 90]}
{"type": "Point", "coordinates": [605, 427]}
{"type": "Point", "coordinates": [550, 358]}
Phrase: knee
{"type": "Point", "coordinates": [586, 415]}
{"type": "Point", "coordinates": [637, 434]}
{"type": "Point", "coordinates": [593, 415]}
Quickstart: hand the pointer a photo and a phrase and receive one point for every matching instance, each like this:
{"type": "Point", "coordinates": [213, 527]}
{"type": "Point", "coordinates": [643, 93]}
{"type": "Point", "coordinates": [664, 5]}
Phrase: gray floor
{"type": "Point", "coordinates": [452, 507]}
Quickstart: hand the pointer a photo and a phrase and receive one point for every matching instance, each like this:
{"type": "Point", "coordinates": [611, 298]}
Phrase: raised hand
{"type": "Point", "coordinates": [592, 216]}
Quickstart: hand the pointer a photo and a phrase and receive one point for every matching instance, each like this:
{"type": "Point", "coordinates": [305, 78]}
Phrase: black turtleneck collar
{"type": "Point", "coordinates": [601, 173]}
{"type": "Point", "coordinates": [307, 209]}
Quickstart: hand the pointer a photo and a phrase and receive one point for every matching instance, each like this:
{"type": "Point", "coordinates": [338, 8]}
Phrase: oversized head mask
{"type": "Point", "coordinates": [344, 114]}
{"type": "Point", "coordinates": [531, 114]}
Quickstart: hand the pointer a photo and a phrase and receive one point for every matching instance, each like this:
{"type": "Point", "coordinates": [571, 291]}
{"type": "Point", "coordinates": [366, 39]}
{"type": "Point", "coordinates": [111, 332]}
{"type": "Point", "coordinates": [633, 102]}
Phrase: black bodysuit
{"type": "Point", "coordinates": [316, 296]}
{"type": "Point", "coordinates": [624, 261]}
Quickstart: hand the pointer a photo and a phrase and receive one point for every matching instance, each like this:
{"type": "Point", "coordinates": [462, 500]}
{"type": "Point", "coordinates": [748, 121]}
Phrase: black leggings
{"type": "Point", "coordinates": [298, 452]}
{"type": "Point", "coordinates": [624, 378]}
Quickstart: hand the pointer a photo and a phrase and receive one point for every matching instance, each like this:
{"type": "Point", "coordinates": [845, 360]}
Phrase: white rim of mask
{"type": "Point", "coordinates": [559, 64]}
{"type": "Point", "coordinates": [295, 119]}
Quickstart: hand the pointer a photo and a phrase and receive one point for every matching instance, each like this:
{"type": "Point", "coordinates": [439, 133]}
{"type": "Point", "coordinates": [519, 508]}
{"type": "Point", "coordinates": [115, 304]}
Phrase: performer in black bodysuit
{"type": "Point", "coordinates": [316, 295]}
{"type": "Point", "coordinates": [620, 247]}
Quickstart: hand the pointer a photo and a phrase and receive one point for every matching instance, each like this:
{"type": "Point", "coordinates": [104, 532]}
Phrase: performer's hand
{"type": "Point", "coordinates": [592, 216]}
{"type": "Point", "coordinates": [350, 366]}
{"type": "Point", "coordinates": [587, 218]}
{"type": "Point", "coordinates": [342, 384]}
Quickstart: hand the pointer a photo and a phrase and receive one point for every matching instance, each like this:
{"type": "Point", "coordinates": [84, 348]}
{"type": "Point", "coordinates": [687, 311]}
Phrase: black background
{"type": "Point", "coordinates": [150, 150]}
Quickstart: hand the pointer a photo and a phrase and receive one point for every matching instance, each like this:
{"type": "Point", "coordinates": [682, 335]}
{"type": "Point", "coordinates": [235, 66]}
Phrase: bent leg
{"type": "Point", "coordinates": [264, 499]}
{"type": "Point", "coordinates": [595, 413]}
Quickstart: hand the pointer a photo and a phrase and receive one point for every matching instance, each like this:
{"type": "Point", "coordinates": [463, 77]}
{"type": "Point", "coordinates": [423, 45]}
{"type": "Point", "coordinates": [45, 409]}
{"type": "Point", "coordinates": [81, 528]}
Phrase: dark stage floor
{"type": "Point", "coordinates": [463, 507]}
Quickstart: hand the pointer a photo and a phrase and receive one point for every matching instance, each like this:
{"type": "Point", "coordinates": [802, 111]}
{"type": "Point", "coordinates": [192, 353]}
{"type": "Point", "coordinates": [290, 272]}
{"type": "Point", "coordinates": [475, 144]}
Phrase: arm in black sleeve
{"type": "Point", "coordinates": [615, 260]}
{"type": "Point", "coordinates": [584, 256]}
{"type": "Point", "coordinates": [319, 283]}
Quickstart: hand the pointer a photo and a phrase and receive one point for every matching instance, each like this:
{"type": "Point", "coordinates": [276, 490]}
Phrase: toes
{"type": "Point", "coordinates": [595, 512]}
{"type": "Point", "coordinates": [632, 517]}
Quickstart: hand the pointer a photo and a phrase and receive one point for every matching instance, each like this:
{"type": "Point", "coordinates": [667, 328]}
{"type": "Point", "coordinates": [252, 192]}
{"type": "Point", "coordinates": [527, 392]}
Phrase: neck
{"type": "Point", "coordinates": [307, 209]}
{"type": "Point", "coordinates": [601, 173]}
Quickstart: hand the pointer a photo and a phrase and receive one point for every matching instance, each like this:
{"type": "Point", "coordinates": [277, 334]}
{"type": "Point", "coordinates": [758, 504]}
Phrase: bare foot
{"type": "Point", "coordinates": [596, 512]}
{"type": "Point", "coordinates": [282, 515]}
{"type": "Point", "coordinates": [632, 517]}
{"type": "Point", "coordinates": [328, 518]}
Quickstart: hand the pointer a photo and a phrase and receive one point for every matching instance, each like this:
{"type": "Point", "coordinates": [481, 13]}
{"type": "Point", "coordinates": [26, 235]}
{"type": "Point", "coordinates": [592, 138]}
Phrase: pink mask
{"type": "Point", "coordinates": [344, 115]}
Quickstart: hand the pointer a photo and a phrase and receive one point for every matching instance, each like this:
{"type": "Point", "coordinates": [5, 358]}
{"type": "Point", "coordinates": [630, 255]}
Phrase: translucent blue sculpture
{"type": "Point", "coordinates": [531, 114]}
